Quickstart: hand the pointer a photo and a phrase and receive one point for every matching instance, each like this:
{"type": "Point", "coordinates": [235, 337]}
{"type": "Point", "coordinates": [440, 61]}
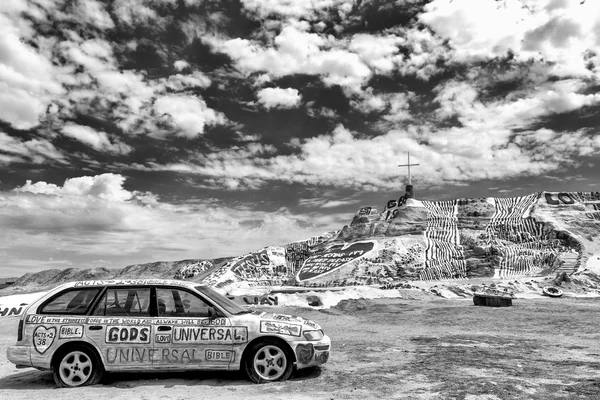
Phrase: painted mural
{"type": "Point", "coordinates": [532, 235]}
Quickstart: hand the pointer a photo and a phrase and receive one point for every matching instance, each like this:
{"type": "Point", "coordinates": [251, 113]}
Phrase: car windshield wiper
{"type": "Point", "coordinates": [244, 312]}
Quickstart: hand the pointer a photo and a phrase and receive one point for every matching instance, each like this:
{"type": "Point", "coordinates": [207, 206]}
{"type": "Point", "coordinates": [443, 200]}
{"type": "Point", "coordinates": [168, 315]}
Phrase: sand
{"type": "Point", "coordinates": [423, 348]}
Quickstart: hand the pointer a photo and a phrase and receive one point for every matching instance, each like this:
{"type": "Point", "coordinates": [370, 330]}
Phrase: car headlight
{"type": "Point", "coordinates": [313, 335]}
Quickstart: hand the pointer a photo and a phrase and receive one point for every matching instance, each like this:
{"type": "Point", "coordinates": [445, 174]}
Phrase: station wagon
{"type": "Point", "coordinates": [82, 329]}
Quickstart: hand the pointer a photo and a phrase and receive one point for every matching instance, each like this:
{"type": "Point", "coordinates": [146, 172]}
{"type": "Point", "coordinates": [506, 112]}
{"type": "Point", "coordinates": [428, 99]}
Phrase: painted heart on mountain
{"type": "Point", "coordinates": [332, 259]}
{"type": "Point", "coordinates": [305, 353]}
{"type": "Point", "coordinates": [43, 338]}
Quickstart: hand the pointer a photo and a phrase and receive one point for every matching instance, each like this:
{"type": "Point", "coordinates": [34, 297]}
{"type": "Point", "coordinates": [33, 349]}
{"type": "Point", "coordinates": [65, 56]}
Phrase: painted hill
{"type": "Point", "coordinates": [540, 234]}
{"type": "Point", "coordinates": [410, 240]}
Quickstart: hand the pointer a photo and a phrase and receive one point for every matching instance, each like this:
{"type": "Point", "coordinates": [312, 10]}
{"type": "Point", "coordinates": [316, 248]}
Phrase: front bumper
{"type": "Point", "coordinates": [310, 354]}
{"type": "Point", "coordinates": [19, 355]}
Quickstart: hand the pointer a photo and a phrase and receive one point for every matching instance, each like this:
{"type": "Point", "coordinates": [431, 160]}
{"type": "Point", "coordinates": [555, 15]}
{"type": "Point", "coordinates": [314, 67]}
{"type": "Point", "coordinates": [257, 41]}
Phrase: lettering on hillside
{"type": "Point", "coordinates": [264, 300]}
{"type": "Point", "coordinates": [9, 311]}
{"type": "Point", "coordinates": [560, 198]}
{"type": "Point", "coordinates": [251, 261]}
{"type": "Point", "coordinates": [565, 198]}
{"type": "Point", "coordinates": [391, 208]}
{"type": "Point", "coordinates": [364, 211]}
{"type": "Point", "coordinates": [333, 258]}
{"type": "Point", "coordinates": [232, 334]}
{"type": "Point", "coordinates": [120, 355]}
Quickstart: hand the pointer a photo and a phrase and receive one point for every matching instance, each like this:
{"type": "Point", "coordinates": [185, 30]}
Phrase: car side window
{"type": "Point", "coordinates": [133, 302]}
{"type": "Point", "coordinates": [73, 302]}
{"type": "Point", "coordinates": [180, 303]}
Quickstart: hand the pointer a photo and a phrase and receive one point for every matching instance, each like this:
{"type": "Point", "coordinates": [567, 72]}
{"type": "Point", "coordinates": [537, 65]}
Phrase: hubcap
{"type": "Point", "coordinates": [270, 363]}
{"type": "Point", "coordinates": [75, 368]}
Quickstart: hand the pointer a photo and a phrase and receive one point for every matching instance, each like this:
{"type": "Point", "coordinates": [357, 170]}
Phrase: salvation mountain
{"type": "Point", "coordinates": [539, 234]}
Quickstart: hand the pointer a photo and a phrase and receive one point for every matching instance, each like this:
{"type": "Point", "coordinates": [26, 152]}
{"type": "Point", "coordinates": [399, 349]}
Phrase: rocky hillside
{"type": "Point", "coordinates": [185, 269]}
{"type": "Point", "coordinates": [536, 235]}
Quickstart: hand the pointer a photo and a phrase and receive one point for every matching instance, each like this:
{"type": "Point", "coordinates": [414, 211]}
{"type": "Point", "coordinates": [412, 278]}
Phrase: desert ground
{"type": "Point", "coordinates": [424, 348]}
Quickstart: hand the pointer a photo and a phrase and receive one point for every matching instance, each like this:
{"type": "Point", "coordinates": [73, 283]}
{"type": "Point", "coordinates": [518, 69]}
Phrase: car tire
{"type": "Point", "coordinates": [269, 361]}
{"type": "Point", "coordinates": [77, 366]}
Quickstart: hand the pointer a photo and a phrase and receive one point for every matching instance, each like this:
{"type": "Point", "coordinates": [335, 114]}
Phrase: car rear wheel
{"type": "Point", "coordinates": [77, 366]}
{"type": "Point", "coordinates": [269, 362]}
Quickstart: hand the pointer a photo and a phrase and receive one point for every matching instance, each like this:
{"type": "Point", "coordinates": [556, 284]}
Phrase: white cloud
{"type": "Point", "coordinates": [37, 151]}
{"type": "Point", "coordinates": [461, 99]}
{"type": "Point", "coordinates": [345, 159]}
{"type": "Point", "coordinates": [298, 51]}
{"type": "Point", "coordinates": [188, 113]}
{"type": "Point", "coordinates": [97, 140]}
{"type": "Point", "coordinates": [133, 12]}
{"type": "Point", "coordinates": [558, 32]}
{"type": "Point", "coordinates": [180, 82]}
{"type": "Point", "coordinates": [292, 8]}
{"type": "Point", "coordinates": [279, 98]}
{"type": "Point", "coordinates": [378, 52]}
{"type": "Point", "coordinates": [26, 77]}
{"type": "Point", "coordinates": [93, 13]}
{"type": "Point", "coordinates": [180, 65]}
{"type": "Point", "coordinates": [95, 217]}
{"type": "Point", "coordinates": [107, 186]}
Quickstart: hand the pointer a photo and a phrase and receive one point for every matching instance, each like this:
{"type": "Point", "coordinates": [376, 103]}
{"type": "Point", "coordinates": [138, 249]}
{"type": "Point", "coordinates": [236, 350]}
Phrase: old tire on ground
{"type": "Point", "coordinates": [268, 361]}
{"type": "Point", "coordinates": [77, 366]}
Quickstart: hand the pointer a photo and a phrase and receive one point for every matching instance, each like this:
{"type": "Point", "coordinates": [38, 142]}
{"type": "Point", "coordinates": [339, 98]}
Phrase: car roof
{"type": "Point", "coordinates": [131, 282]}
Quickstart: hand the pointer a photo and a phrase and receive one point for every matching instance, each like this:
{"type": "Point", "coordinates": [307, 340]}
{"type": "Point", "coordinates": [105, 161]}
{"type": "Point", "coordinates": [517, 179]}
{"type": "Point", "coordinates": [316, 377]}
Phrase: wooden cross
{"type": "Point", "coordinates": [408, 165]}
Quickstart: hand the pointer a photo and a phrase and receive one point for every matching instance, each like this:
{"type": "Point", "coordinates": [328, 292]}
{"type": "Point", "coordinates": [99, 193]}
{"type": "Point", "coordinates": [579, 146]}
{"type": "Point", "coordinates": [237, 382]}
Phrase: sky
{"type": "Point", "coordinates": [134, 131]}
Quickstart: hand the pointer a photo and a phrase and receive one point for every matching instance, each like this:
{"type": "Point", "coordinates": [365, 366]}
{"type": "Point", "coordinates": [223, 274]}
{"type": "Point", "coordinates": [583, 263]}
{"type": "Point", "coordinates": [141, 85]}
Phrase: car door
{"type": "Point", "coordinates": [185, 336]}
{"type": "Point", "coordinates": [120, 325]}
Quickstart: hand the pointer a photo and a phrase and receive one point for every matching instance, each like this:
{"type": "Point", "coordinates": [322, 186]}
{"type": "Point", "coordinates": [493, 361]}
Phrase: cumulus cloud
{"type": "Point", "coordinates": [187, 113]}
{"type": "Point", "coordinates": [279, 98]}
{"type": "Point", "coordinates": [27, 78]}
{"type": "Point", "coordinates": [94, 13]}
{"type": "Point", "coordinates": [96, 140]}
{"type": "Point", "coordinates": [346, 160]}
{"type": "Point", "coordinates": [292, 8]}
{"type": "Point", "coordinates": [37, 151]}
{"type": "Point", "coordinates": [378, 52]}
{"type": "Point", "coordinates": [461, 99]}
{"type": "Point", "coordinates": [96, 218]}
{"type": "Point", "coordinates": [297, 51]}
{"type": "Point", "coordinates": [558, 32]}
{"type": "Point", "coordinates": [105, 186]}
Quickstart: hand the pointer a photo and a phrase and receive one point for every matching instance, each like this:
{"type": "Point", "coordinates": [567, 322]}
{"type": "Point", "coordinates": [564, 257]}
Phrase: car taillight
{"type": "Point", "coordinates": [20, 332]}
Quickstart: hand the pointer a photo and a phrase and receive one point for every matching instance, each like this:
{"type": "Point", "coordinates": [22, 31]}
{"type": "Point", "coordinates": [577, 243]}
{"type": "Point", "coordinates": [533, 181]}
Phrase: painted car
{"type": "Point", "coordinates": [82, 329]}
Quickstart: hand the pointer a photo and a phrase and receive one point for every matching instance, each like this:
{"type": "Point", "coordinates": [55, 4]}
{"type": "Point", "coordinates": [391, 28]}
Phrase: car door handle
{"type": "Point", "coordinates": [95, 328]}
{"type": "Point", "coordinates": [164, 328]}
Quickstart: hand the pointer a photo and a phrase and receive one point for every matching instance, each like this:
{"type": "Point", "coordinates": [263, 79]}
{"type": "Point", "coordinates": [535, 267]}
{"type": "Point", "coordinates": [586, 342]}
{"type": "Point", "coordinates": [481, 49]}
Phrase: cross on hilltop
{"type": "Point", "coordinates": [409, 187]}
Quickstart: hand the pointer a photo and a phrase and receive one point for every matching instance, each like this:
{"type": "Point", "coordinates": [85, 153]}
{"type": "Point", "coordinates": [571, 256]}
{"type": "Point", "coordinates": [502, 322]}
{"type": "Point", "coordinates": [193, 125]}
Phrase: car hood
{"type": "Point", "coordinates": [307, 324]}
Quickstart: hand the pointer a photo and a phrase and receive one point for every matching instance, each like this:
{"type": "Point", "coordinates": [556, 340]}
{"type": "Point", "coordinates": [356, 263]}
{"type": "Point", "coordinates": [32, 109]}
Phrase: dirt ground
{"type": "Point", "coordinates": [393, 349]}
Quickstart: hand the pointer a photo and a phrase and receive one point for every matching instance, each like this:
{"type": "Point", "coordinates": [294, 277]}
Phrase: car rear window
{"type": "Point", "coordinates": [72, 302]}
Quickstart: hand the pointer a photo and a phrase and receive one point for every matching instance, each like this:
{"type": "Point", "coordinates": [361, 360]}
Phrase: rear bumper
{"type": "Point", "coordinates": [310, 354]}
{"type": "Point", "coordinates": [19, 355]}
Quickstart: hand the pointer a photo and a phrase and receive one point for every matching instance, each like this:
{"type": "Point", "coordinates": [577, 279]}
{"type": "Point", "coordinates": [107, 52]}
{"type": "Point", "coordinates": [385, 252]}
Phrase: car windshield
{"type": "Point", "coordinates": [229, 305]}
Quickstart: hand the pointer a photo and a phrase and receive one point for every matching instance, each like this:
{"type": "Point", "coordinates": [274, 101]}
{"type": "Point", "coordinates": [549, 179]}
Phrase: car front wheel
{"type": "Point", "coordinates": [268, 362]}
{"type": "Point", "coordinates": [78, 366]}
